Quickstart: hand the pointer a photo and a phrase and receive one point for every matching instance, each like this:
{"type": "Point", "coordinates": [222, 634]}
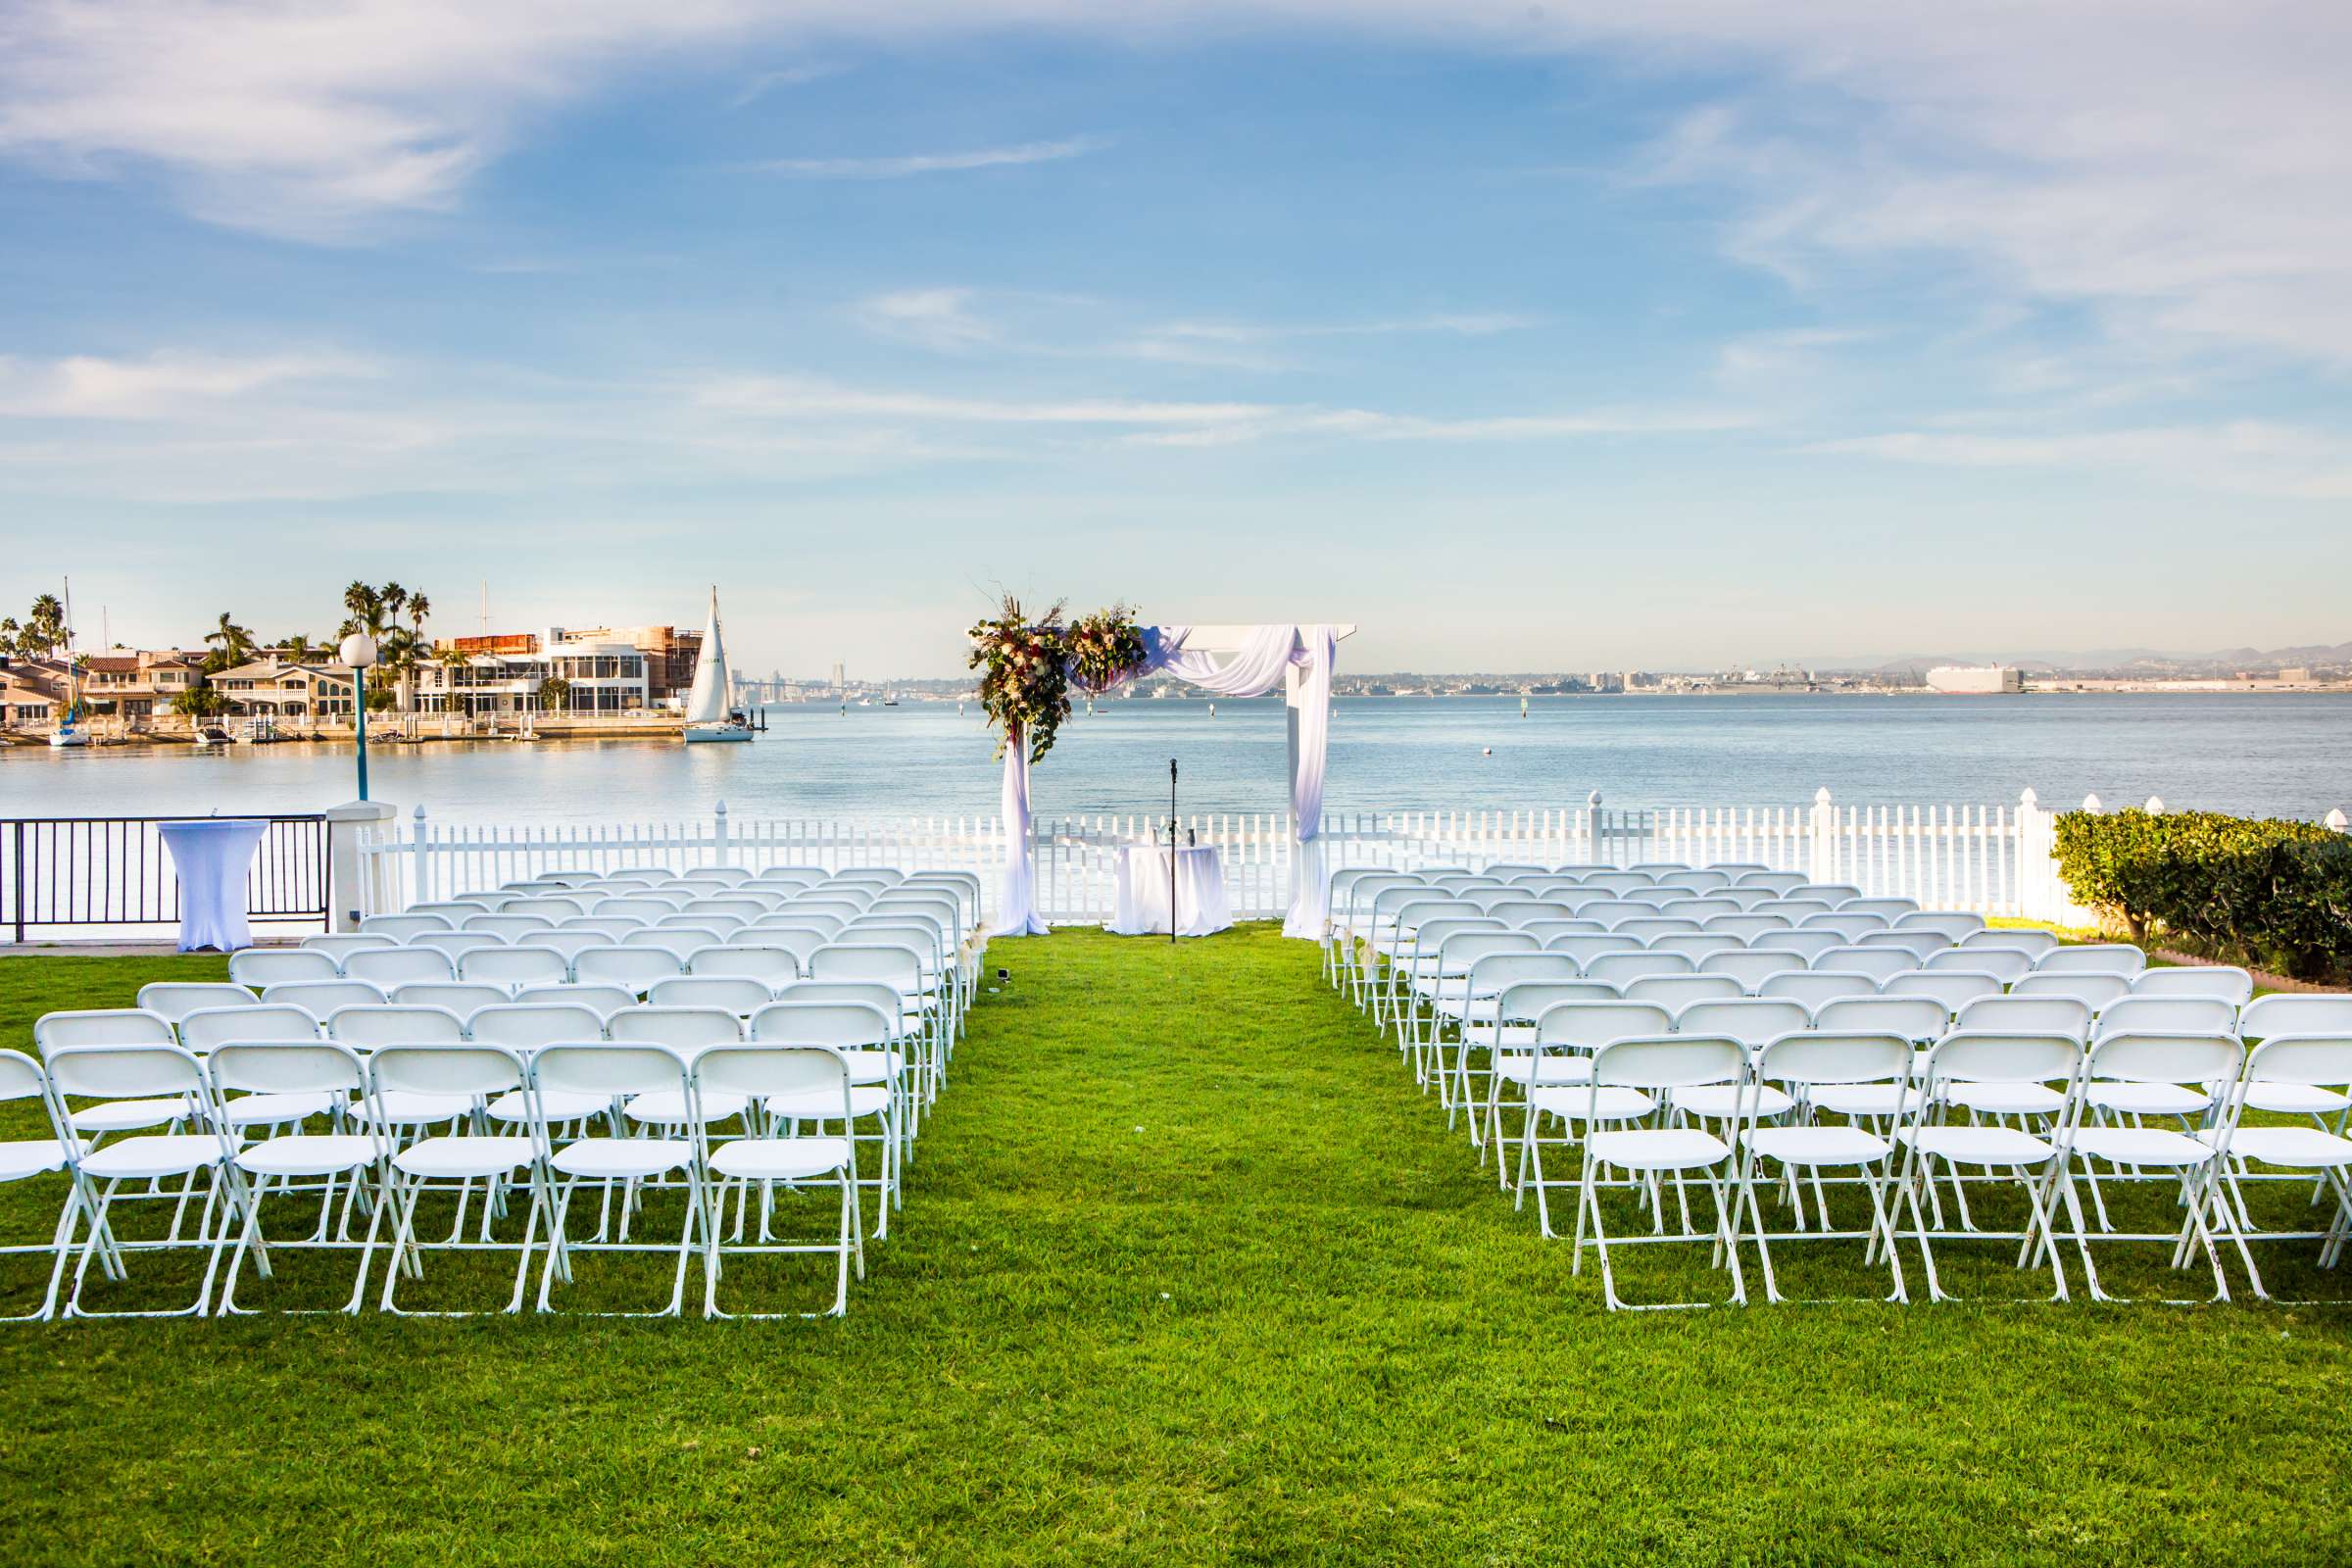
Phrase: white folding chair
{"type": "Point", "coordinates": [1814, 987]}
{"type": "Point", "coordinates": [475, 1074]}
{"type": "Point", "coordinates": [513, 968]}
{"type": "Point", "coordinates": [323, 999]}
{"type": "Point", "coordinates": [585, 1073]}
{"type": "Point", "coordinates": [2032, 944]}
{"type": "Point", "coordinates": [174, 1000]}
{"type": "Point", "coordinates": [404, 928]}
{"type": "Point", "coordinates": [399, 966]}
{"type": "Point", "coordinates": [1809, 1067]}
{"type": "Point", "coordinates": [858, 1033]}
{"type": "Point", "coordinates": [1650, 1068]}
{"type": "Point", "coordinates": [343, 946]}
{"type": "Point", "coordinates": [603, 1001]}
{"type": "Point", "coordinates": [1880, 964]}
{"type": "Point", "coordinates": [2291, 1069]}
{"type": "Point", "coordinates": [794, 1073]}
{"type": "Point", "coordinates": [22, 1158]}
{"type": "Point", "coordinates": [2160, 1064]}
{"type": "Point", "coordinates": [1553, 1080]}
{"type": "Point", "coordinates": [261, 967]}
{"type": "Point", "coordinates": [460, 997]}
{"type": "Point", "coordinates": [2094, 958]}
{"type": "Point", "coordinates": [2004, 963]}
{"type": "Point", "coordinates": [736, 994]}
{"type": "Point", "coordinates": [771, 965]}
{"type": "Point", "coordinates": [2093, 991]}
{"type": "Point", "coordinates": [2225, 981]}
{"type": "Point", "coordinates": [114, 1026]}
{"type": "Point", "coordinates": [268, 1076]}
{"type": "Point", "coordinates": [633, 969]}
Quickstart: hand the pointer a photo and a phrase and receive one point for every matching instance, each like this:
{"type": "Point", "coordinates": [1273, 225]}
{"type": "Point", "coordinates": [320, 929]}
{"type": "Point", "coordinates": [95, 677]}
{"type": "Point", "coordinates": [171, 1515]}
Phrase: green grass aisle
{"type": "Point", "coordinates": [1188, 1273]}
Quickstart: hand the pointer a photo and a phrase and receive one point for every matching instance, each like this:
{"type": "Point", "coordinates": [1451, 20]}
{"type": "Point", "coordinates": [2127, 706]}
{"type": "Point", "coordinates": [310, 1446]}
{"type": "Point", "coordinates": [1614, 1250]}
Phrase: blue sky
{"type": "Point", "coordinates": [1523, 337]}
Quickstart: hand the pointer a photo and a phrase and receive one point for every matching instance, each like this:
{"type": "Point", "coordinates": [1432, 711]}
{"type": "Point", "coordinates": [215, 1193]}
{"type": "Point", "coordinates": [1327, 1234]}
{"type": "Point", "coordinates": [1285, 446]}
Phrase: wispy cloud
{"type": "Point", "coordinates": [795, 398]}
{"type": "Point", "coordinates": [161, 385]}
{"type": "Point", "coordinates": [2244, 456]}
{"type": "Point", "coordinates": [932, 317]}
{"type": "Point", "coordinates": [907, 165]}
{"type": "Point", "coordinates": [799, 75]}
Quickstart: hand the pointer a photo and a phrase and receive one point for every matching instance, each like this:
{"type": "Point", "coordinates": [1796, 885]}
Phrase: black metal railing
{"type": "Point", "coordinates": [115, 871]}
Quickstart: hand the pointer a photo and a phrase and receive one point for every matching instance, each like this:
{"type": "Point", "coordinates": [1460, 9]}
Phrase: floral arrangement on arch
{"type": "Point", "coordinates": [1027, 665]}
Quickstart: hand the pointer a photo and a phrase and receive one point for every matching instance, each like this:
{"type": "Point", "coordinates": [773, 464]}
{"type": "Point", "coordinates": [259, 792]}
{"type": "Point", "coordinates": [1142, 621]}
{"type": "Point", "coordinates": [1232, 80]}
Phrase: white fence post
{"type": "Point", "coordinates": [718, 831]}
{"type": "Point", "coordinates": [420, 878]}
{"type": "Point", "coordinates": [348, 901]}
{"type": "Point", "coordinates": [1822, 866]}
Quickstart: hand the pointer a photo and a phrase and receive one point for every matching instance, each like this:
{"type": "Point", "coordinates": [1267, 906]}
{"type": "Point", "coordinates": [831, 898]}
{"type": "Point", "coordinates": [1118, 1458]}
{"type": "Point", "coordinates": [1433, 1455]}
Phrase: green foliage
{"type": "Point", "coordinates": [200, 702]}
{"type": "Point", "coordinates": [233, 644]}
{"type": "Point", "coordinates": [2265, 891]}
{"type": "Point", "coordinates": [552, 693]}
{"type": "Point", "coordinates": [1028, 665]}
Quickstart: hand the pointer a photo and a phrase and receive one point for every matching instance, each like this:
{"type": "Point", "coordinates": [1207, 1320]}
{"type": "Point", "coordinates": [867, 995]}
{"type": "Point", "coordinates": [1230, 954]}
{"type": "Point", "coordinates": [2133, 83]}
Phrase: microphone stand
{"type": "Point", "coordinates": [1171, 851]}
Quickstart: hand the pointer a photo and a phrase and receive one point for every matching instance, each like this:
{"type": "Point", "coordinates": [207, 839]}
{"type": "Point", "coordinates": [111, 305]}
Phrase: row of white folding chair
{"type": "Point", "coordinates": [810, 1079]}
{"type": "Point", "coordinates": [1635, 1099]}
{"type": "Point", "coordinates": [638, 964]}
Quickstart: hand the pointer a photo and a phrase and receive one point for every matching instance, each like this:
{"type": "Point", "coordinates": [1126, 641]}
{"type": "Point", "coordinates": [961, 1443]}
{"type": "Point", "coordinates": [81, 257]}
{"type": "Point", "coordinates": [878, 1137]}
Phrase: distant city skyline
{"type": "Point", "coordinates": [1525, 338]}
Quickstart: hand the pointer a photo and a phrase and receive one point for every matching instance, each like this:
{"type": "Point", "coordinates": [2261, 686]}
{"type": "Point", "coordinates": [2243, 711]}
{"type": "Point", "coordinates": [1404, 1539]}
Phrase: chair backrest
{"type": "Point", "coordinates": [1891, 908]}
{"type": "Point", "coordinates": [635, 908]}
{"type": "Point", "coordinates": [1957, 924]}
{"type": "Point", "coordinates": [207, 1030]}
{"type": "Point", "coordinates": [737, 993]}
{"type": "Point", "coordinates": [401, 928]}
{"type": "Point", "coordinates": [1753, 900]}
{"type": "Point", "coordinates": [1625, 967]}
{"type": "Point", "coordinates": [725, 876]}
{"type": "Point", "coordinates": [322, 999]}
{"type": "Point", "coordinates": [2094, 958]}
{"type": "Point", "coordinates": [1460, 953]}
{"type": "Point", "coordinates": [515, 966]}
{"type": "Point", "coordinates": [457, 996]}
{"type": "Point", "coordinates": [2039, 1015]}
{"type": "Point", "coordinates": [1780, 882]}
{"type": "Point", "coordinates": [774, 1068]}
{"type": "Point", "coordinates": [1651, 928]}
{"type": "Point", "coordinates": [1750, 1020]}
{"type": "Point", "coordinates": [451, 911]}
{"type": "Point", "coordinates": [1883, 963]}
{"type": "Point", "coordinates": [257, 967]}
{"type": "Point", "coordinates": [2008, 1056]}
{"type": "Point", "coordinates": [1524, 1001]}
{"type": "Point", "coordinates": [633, 969]}
{"type": "Point", "coordinates": [400, 965]}
{"type": "Point", "coordinates": [513, 927]}
{"type": "Point", "coordinates": [1833, 894]}
{"type": "Point", "coordinates": [550, 906]}
{"type": "Point", "coordinates": [846, 960]}
{"type": "Point", "coordinates": [769, 964]}
{"type": "Point", "coordinates": [681, 1029]}
{"type": "Point", "coordinates": [1749, 967]}
{"type": "Point", "coordinates": [266, 1066]}
{"type": "Point", "coordinates": [1746, 927]}
{"type": "Point", "coordinates": [1921, 945]}
{"type": "Point", "coordinates": [2032, 944]}
{"type": "Point", "coordinates": [607, 1067]}
{"type": "Point", "coordinates": [844, 1025]}
{"type": "Point", "coordinates": [1673, 991]}
{"type": "Point", "coordinates": [677, 940]}
{"type": "Point", "coordinates": [596, 925]}
{"type": "Point", "coordinates": [1837, 1056]}
{"type": "Point", "coordinates": [101, 1027]}
{"type": "Point", "coordinates": [2308, 1059]}
{"type": "Point", "coordinates": [1585, 948]}
{"type": "Point", "coordinates": [2137, 1055]}
{"type": "Point", "coordinates": [1843, 926]}
{"type": "Point", "coordinates": [1669, 1061]}
{"type": "Point", "coordinates": [1954, 988]}
{"type": "Point", "coordinates": [176, 998]}
{"type": "Point", "coordinates": [1918, 1019]}
{"type": "Point", "coordinates": [699, 918]}
{"type": "Point", "coordinates": [1614, 912]}
{"type": "Point", "coordinates": [2177, 1015]}
{"type": "Point", "coordinates": [2093, 991]}
{"type": "Point", "coordinates": [1807, 945]}
{"type": "Point", "coordinates": [2225, 982]}
{"type": "Point", "coordinates": [391, 1024]}
{"type": "Point", "coordinates": [2005, 964]}
{"type": "Point", "coordinates": [2286, 1013]}
{"type": "Point", "coordinates": [419, 1067]}
{"type": "Point", "coordinates": [527, 1025]}
{"type": "Point", "coordinates": [128, 1072]}
{"type": "Point", "coordinates": [455, 945]}
{"type": "Point", "coordinates": [1594, 1025]}
{"type": "Point", "coordinates": [603, 1001]}
{"type": "Point", "coordinates": [1491, 974]}
{"type": "Point", "coordinates": [1813, 987]}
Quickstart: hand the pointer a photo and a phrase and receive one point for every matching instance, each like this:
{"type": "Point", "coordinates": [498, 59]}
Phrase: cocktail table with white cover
{"type": "Point", "coordinates": [211, 857]}
{"type": "Point", "coordinates": [1142, 887]}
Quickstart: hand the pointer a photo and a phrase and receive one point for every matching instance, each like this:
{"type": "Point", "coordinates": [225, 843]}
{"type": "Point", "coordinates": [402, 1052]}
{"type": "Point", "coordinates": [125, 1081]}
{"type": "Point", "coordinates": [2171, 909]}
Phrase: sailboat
{"type": "Point", "coordinates": [69, 731]}
{"type": "Point", "coordinates": [710, 709]}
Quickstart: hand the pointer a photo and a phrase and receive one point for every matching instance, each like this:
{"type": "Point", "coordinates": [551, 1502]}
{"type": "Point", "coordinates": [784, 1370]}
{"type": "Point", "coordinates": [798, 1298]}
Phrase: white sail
{"type": "Point", "coordinates": [710, 697]}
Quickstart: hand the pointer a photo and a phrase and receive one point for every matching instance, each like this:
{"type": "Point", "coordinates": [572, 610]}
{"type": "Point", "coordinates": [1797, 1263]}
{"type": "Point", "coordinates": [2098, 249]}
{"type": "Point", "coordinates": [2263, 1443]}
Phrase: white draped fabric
{"type": "Point", "coordinates": [1300, 658]}
{"type": "Point", "coordinates": [211, 857]}
{"type": "Point", "coordinates": [1143, 880]}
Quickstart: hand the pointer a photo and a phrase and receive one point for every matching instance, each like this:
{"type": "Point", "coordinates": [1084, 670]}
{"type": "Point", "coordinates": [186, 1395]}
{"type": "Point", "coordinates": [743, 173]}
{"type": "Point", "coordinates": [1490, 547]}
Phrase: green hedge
{"type": "Point", "coordinates": [2266, 892]}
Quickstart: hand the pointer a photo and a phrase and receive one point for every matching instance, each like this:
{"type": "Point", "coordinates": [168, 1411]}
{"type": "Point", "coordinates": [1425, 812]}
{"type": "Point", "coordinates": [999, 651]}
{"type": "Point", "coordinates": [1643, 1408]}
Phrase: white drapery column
{"type": "Point", "coordinates": [1300, 659]}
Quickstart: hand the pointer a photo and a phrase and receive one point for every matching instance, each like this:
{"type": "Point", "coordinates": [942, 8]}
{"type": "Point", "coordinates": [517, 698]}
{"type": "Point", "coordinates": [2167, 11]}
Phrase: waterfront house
{"type": "Point", "coordinates": [300, 694]}
{"type": "Point", "coordinates": [136, 685]}
{"type": "Point", "coordinates": [32, 691]}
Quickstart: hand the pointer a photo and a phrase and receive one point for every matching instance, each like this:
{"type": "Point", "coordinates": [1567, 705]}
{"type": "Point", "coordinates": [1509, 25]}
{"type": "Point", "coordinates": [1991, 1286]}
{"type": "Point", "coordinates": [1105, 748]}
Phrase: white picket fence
{"type": "Point", "coordinates": [1993, 858]}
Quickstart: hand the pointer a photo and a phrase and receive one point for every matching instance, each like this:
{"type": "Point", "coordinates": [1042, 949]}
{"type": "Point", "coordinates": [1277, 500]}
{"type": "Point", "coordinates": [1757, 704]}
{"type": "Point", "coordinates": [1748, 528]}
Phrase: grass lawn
{"type": "Point", "coordinates": [1189, 1272]}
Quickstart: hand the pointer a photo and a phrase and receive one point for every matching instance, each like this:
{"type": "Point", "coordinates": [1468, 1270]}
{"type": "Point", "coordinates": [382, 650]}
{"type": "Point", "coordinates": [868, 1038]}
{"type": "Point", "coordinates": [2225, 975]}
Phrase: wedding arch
{"type": "Point", "coordinates": [1031, 665]}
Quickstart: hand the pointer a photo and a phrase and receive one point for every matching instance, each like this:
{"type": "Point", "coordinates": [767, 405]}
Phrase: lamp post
{"type": "Point", "coordinates": [359, 651]}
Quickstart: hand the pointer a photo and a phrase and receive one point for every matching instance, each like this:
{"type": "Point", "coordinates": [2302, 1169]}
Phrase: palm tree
{"type": "Point", "coordinates": [200, 702]}
{"type": "Point", "coordinates": [236, 644]}
{"type": "Point", "coordinates": [45, 630]}
{"type": "Point", "coordinates": [297, 649]}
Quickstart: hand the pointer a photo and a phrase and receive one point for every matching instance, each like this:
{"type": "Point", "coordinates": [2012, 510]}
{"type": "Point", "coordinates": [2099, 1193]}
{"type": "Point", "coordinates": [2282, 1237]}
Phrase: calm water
{"type": "Point", "coordinates": [2285, 756]}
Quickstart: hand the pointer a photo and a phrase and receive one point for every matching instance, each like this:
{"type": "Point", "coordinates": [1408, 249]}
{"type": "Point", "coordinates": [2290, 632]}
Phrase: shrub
{"type": "Point", "coordinates": [2263, 891]}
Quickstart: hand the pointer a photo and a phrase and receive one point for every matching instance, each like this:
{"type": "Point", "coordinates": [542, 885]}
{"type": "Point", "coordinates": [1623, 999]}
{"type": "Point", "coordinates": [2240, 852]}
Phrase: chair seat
{"type": "Point", "coordinates": [2295, 1100]}
{"type": "Point", "coordinates": [618, 1157]}
{"type": "Point", "coordinates": [1576, 1101]}
{"type": "Point", "coordinates": [1557, 1068]}
{"type": "Point", "coordinates": [1817, 1146]}
{"type": "Point", "coordinates": [307, 1154]}
{"type": "Point", "coordinates": [1980, 1146]}
{"type": "Point", "coordinates": [129, 1116]}
{"type": "Point", "coordinates": [409, 1107]}
{"type": "Point", "coordinates": [154, 1154]}
{"type": "Point", "coordinates": [32, 1157]}
{"type": "Point", "coordinates": [865, 1099]}
{"type": "Point", "coordinates": [2141, 1145]}
{"type": "Point", "coordinates": [873, 1066]}
{"type": "Point", "coordinates": [2146, 1100]}
{"type": "Point", "coordinates": [2007, 1100]}
{"type": "Point", "coordinates": [556, 1105]}
{"type": "Point", "coordinates": [2303, 1148]}
{"type": "Point", "coordinates": [1656, 1147]}
{"type": "Point", "coordinates": [268, 1110]}
{"type": "Point", "coordinates": [780, 1159]}
{"type": "Point", "coordinates": [1722, 1101]}
{"type": "Point", "coordinates": [667, 1107]}
{"type": "Point", "coordinates": [465, 1155]}
{"type": "Point", "coordinates": [1862, 1099]}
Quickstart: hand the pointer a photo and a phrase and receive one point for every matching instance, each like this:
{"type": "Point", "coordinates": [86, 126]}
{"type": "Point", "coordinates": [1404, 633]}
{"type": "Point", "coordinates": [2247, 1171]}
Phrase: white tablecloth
{"type": "Point", "coordinates": [1201, 907]}
{"type": "Point", "coordinates": [211, 859]}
